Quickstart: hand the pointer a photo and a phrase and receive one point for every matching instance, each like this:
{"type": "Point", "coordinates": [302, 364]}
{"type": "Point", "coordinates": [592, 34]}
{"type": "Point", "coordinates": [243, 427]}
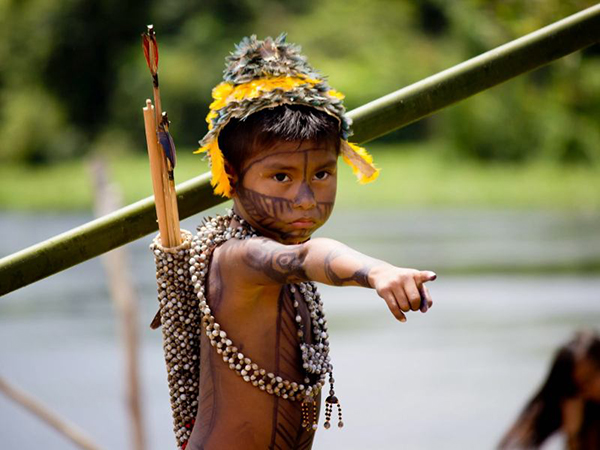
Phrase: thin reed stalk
{"type": "Point", "coordinates": [37, 408]}
{"type": "Point", "coordinates": [125, 300]}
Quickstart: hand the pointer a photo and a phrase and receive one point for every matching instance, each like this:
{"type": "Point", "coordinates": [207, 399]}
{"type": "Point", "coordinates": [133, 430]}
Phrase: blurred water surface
{"type": "Point", "coordinates": [453, 378]}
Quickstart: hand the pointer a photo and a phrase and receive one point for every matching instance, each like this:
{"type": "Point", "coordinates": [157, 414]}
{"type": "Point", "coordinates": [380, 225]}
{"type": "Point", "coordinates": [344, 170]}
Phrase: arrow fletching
{"type": "Point", "coordinates": [166, 141]}
{"type": "Point", "coordinates": [150, 47]}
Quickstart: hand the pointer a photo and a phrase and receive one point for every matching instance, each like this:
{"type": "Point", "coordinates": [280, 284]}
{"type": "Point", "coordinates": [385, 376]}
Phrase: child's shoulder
{"type": "Point", "coordinates": [248, 250]}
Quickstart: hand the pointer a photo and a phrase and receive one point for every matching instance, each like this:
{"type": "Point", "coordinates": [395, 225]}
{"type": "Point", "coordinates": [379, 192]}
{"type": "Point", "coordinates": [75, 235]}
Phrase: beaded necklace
{"type": "Point", "coordinates": [315, 356]}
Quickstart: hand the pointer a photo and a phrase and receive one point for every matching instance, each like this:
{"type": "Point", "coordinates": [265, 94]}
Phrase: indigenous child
{"type": "Point", "coordinates": [568, 401]}
{"type": "Point", "coordinates": [245, 336]}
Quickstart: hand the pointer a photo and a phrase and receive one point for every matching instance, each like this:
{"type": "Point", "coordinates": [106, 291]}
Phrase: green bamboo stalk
{"type": "Point", "coordinates": [372, 120]}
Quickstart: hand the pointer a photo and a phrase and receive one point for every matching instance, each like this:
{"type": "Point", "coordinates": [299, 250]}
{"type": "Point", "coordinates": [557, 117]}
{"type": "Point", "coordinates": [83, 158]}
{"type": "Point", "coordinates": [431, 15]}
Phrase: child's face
{"type": "Point", "coordinates": [288, 190]}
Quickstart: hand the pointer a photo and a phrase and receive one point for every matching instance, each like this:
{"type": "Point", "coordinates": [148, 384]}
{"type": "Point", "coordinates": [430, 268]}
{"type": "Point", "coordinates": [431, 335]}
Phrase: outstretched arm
{"type": "Point", "coordinates": [331, 262]}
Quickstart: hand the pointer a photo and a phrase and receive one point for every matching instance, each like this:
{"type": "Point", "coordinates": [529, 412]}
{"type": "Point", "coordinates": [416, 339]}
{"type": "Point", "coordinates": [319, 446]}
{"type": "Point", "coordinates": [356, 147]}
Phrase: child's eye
{"type": "Point", "coordinates": [322, 175]}
{"type": "Point", "coordinates": [281, 177]}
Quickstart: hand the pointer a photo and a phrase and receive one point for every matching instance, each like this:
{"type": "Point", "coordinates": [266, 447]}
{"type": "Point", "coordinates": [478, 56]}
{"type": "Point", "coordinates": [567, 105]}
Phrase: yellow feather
{"type": "Point", "coordinates": [337, 94]}
{"type": "Point", "coordinates": [363, 178]}
{"type": "Point", "coordinates": [220, 180]}
{"type": "Point", "coordinates": [225, 92]}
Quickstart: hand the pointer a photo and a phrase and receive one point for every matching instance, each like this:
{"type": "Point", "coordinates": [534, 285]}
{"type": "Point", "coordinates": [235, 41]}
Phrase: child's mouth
{"type": "Point", "coordinates": [303, 223]}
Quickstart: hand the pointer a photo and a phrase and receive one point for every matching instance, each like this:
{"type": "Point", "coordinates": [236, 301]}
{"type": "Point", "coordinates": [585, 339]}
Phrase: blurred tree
{"type": "Point", "coordinates": [433, 18]}
{"type": "Point", "coordinates": [60, 69]}
{"type": "Point", "coordinates": [81, 68]}
{"type": "Point", "coordinates": [548, 114]}
{"type": "Point", "coordinates": [33, 123]}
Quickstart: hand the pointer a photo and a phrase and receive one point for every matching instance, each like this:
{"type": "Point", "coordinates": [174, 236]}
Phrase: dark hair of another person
{"type": "Point", "coordinates": [542, 415]}
{"type": "Point", "coordinates": [241, 139]}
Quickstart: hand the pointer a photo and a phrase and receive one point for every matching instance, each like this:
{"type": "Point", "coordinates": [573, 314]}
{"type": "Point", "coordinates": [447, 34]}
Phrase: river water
{"type": "Point", "coordinates": [453, 378]}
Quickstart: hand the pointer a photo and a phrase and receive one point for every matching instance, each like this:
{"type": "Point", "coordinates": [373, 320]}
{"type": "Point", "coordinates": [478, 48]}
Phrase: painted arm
{"type": "Point", "coordinates": [331, 262]}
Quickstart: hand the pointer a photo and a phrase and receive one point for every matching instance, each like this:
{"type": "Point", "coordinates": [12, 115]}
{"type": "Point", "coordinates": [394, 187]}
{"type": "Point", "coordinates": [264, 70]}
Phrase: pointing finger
{"type": "Point", "coordinates": [427, 275]}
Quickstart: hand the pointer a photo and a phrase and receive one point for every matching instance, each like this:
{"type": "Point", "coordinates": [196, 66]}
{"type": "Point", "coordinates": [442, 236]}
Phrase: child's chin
{"type": "Point", "coordinates": [297, 237]}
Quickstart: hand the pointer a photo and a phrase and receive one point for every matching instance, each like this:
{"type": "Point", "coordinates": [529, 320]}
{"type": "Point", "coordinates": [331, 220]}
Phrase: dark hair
{"type": "Point", "coordinates": [241, 139]}
{"type": "Point", "coordinates": [542, 415]}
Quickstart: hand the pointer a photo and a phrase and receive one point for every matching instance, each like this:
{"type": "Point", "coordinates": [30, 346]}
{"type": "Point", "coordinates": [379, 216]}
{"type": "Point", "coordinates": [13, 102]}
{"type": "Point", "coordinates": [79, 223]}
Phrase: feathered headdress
{"type": "Point", "coordinates": [266, 74]}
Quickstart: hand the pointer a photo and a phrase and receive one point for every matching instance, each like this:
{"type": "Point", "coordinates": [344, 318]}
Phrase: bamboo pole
{"type": "Point", "coordinates": [125, 301]}
{"type": "Point", "coordinates": [64, 427]}
{"type": "Point", "coordinates": [370, 121]}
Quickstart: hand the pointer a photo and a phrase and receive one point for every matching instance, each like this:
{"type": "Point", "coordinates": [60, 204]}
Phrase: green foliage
{"type": "Point", "coordinates": [550, 114]}
{"type": "Point", "coordinates": [34, 128]}
{"type": "Point", "coordinates": [73, 78]}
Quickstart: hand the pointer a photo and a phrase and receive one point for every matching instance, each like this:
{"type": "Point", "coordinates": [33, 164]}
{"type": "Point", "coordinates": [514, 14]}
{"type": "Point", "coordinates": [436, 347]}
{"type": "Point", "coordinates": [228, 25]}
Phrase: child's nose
{"type": "Point", "coordinates": [305, 198]}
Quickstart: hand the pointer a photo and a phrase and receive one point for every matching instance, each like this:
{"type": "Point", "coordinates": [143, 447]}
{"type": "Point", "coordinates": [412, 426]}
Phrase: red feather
{"type": "Point", "coordinates": [150, 47]}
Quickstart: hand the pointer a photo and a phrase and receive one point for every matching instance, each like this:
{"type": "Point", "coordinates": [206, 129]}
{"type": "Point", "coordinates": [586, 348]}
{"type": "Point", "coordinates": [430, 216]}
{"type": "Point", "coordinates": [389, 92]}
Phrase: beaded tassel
{"type": "Point", "coordinates": [305, 416]}
{"type": "Point", "coordinates": [329, 402]}
{"type": "Point", "coordinates": [309, 415]}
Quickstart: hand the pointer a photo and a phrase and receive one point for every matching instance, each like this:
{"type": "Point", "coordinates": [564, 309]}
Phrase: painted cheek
{"type": "Point", "coordinates": [326, 194]}
{"type": "Point", "coordinates": [263, 208]}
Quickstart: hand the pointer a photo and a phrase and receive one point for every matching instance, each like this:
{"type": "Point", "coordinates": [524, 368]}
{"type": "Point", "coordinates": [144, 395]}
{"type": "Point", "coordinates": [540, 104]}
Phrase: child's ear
{"type": "Point", "coordinates": [232, 175]}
